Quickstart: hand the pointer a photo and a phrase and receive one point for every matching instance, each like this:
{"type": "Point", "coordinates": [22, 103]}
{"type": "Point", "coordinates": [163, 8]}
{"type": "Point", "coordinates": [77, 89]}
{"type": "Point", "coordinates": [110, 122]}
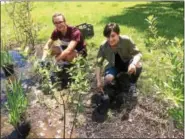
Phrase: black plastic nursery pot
{"type": "Point", "coordinates": [24, 129]}
{"type": "Point", "coordinates": [21, 131]}
{"type": "Point", "coordinates": [8, 70]}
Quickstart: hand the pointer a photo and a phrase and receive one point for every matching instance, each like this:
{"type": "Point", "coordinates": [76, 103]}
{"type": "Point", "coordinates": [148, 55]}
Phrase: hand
{"type": "Point", "coordinates": [58, 58]}
{"type": "Point", "coordinates": [132, 69]}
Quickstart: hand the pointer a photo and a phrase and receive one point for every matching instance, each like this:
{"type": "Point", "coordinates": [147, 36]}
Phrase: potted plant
{"type": "Point", "coordinates": [16, 105]}
{"type": "Point", "coordinates": [7, 63]}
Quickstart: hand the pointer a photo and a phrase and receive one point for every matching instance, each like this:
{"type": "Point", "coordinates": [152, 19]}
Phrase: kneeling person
{"type": "Point", "coordinates": [121, 54]}
{"type": "Point", "coordinates": [71, 41]}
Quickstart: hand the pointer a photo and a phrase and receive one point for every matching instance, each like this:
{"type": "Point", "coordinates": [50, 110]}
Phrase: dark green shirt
{"type": "Point", "coordinates": [126, 48]}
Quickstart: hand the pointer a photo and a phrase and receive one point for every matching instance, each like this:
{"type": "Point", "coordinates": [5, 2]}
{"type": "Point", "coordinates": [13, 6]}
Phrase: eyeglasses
{"type": "Point", "coordinates": [56, 23]}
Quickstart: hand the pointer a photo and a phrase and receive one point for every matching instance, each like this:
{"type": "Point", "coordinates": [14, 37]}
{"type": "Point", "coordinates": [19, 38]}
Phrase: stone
{"type": "Point", "coordinates": [59, 131]}
{"type": "Point", "coordinates": [42, 134]}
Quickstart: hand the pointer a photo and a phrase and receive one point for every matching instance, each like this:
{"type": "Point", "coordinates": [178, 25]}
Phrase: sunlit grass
{"type": "Point", "coordinates": [98, 14]}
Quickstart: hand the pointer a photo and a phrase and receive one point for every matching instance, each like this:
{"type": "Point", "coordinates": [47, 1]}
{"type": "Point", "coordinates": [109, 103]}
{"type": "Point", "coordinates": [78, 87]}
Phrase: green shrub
{"type": "Point", "coordinates": [6, 58]}
{"type": "Point", "coordinates": [16, 102]}
{"type": "Point", "coordinates": [80, 83]}
{"type": "Point", "coordinates": [166, 69]}
{"type": "Point", "coordinates": [25, 30]}
{"type": "Point", "coordinates": [44, 76]}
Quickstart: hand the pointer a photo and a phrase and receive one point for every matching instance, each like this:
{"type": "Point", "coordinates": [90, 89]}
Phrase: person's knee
{"type": "Point", "coordinates": [55, 50]}
{"type": "Point", "coordinates": [109, 78]}
{"type": "Point", "coordinates": [139, 65]}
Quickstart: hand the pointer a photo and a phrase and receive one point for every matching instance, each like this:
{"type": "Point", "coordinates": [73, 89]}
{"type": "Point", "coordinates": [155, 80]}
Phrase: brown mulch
{"type": "Point", "coordinates": [146, 120]}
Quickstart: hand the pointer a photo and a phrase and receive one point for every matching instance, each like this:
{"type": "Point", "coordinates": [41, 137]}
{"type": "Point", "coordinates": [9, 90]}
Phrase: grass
{"type": "Point", "coordinates": [75, 15]}
{"type": "Point", "coordinates": [129, 15]}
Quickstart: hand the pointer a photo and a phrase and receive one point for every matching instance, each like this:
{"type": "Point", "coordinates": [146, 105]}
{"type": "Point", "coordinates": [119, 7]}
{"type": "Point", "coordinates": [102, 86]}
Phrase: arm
{"type": "Point", "coordinates": [99, 63]}
{"type": "Point", "coordinates": [46, 47]}
{"type": "Point", "coordinates": [98, 78]}
{"type": "Point", "coordinates": [98, 74]}
{"type": "Point", "coordinates": [75, 39]}
{"type": "Point", "coordinates": [135, 52]}
{"type": "Point", "coordinates": [137, 58]}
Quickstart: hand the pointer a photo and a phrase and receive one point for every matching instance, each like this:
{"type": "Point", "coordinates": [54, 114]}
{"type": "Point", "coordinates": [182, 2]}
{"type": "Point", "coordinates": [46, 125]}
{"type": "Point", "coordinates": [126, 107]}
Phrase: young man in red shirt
{"type": "Point", "coordinates": [71, 40]}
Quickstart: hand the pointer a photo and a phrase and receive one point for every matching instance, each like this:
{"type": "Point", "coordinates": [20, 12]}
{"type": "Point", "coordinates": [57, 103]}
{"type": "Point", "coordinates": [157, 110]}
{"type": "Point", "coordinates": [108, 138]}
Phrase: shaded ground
{"type": "Point", "coordinates": [142, 118]}
{"type": "Point", "coordinates": [44, 113]}
{"type": "Point", "coordinates": [170, 17]}
{"type": "Point", "coordinates": [146, 120]}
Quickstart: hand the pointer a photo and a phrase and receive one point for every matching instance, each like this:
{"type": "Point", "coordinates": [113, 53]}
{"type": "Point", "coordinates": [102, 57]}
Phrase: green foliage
{"type": "Point", "coordinates": [25, 29]}
{"type": "Point", "coordinates": [166, 71]}
{"type": "Point", "coordinates": [80, 81]}
{"type": "Point", "coordinates": [110, 114]}
{"type": "Point", "coordinates": [6, 37]}
{"type": "Point", "coordinates": [176, 59]}
{"type": "Point", "coordinates": [178, 115]}
{"type": "Point", "coordinates": [152, 30]}
{"type": "Point", "coordinates": [6, 58]}
{"type": "Point", "coordinates": [153, 62]}
{"type": "Point", "coordinates": [79, 74]}
{"type": "Point", "coordinates": [79, 86]}
{"type": "Point", "coordinates": [44, 74]}
{"type": "Point", "coordinates": [154, 41]}
{"type": "Point", "coordinates": [16, 102]}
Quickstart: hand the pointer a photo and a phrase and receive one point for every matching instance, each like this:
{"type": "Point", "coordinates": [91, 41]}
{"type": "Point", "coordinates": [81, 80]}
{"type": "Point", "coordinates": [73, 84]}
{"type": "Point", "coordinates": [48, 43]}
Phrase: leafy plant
{"type": "Point", "coordinates": [6, 38]}
{"type": "Point", "coordinates": [25, 29]}
{"type": "Point", "coordinates": [152, 29]}
{"type": "Point", "coordinates": [6, 58]}
{"type": "Point", "coordinates": [80, 84]}
{"type": "Point", "coordinates": [178, 116]}
{"type": "Point", "coordinates": [166, 72]}
{"type": "Point", "coordinates": [79, 76]}
{"type": "Point", "coordinates": [154, 41]}
{"type": "Point", "coordinates": [16, 102]}
{"type": "Point", "coordinates": [44, 72]}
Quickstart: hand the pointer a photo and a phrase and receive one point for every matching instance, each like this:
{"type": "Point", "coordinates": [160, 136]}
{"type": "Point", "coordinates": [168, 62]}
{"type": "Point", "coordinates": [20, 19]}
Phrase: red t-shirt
{"type": "Point", "coordinates": [72, 33]}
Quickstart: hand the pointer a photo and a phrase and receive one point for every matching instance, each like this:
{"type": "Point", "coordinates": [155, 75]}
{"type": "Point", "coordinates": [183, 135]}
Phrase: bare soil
{"type": "Point", "coordinates": [141, 117]}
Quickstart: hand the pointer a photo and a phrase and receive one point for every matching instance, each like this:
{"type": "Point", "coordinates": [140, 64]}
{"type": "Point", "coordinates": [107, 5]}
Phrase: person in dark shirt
{"type": "Point", "coordinates": [121, 55]}
{"type": "Point", "coordinates": [71, 42]}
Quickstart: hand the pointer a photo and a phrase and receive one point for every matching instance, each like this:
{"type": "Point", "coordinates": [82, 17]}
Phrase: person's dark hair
{"type": "Point", "coordinates": [58, 14]}
{"type": "Point", "coordinates": [111, 27]}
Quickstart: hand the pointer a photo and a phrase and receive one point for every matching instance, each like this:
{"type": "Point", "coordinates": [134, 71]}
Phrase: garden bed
{"type": "Point", "coordinates": [142, 118]}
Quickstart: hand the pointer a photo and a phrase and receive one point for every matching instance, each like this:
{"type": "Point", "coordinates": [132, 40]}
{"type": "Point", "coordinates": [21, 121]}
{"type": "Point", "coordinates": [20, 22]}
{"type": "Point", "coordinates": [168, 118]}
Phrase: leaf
{"type": "Point", "coordinates": [83, 93]}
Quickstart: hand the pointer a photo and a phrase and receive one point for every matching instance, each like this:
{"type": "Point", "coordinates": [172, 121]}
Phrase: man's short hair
{"type": "Point", "coordinates": [111, 27]}
{"type": "Point", "coordinates": [58, 14]}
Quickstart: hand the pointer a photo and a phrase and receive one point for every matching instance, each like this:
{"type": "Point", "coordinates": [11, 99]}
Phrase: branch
{"type": "Point", "coordinates": [74, 121]}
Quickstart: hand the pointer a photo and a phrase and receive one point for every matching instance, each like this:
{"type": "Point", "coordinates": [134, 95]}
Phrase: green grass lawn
{"type": "Point", "coordinates": [129, 15]}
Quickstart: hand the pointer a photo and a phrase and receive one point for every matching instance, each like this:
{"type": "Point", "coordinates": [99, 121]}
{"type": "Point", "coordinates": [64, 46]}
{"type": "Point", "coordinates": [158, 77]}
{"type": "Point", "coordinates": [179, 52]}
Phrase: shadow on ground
{"type": "Point", "coordinates": [170, 17]}
{"type": "Point", "coordinates": [116, 98]}
{"type": "Point", "coordinates": [21, 133]}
